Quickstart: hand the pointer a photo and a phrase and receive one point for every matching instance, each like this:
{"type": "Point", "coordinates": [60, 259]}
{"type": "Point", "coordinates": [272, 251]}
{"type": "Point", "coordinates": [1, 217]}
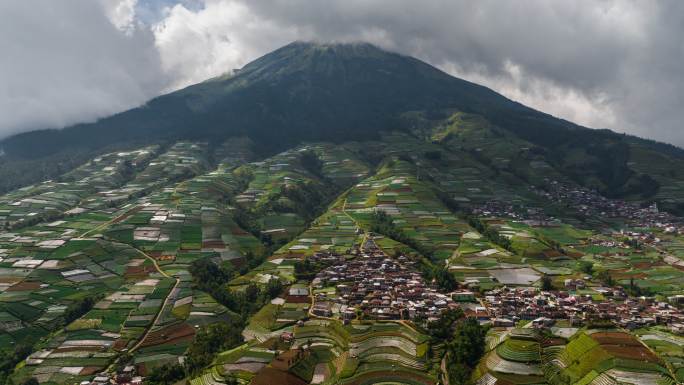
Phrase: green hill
{"type": "Point", "coordinates": [306, 92]}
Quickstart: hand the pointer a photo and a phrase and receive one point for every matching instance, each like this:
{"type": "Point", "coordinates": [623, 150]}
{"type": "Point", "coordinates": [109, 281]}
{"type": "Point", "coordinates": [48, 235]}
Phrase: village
{"type": "Point", "coordinates": [591, 204]}
{"type": "Point", "coordinates": [506, 306]}
{"type": "Point", "coordinates": [585, 202]}
{"type": "Point", "coordinates": [376, 286]}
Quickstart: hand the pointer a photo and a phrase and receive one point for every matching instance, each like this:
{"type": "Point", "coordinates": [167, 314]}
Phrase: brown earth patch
{"type": "Point", "coordinates": [297, 299]}
{"type": "Point", "coordinates": [25, 286]}
{"type": "Point", "coordinates": [643, 265]}
{"type": "Point", "coordinates": [627, 275]}
{"type": "Point", "coordinates": [213, 245]}
{"type": "Point", "coordinates": [171, 334]}
{"type": "Point", "coordinates": [615, 338]}
{"type": "Point", "coordinates": [574, 254]}
{"type": "Point", "coordinates": [138, 271]}
{"type": "Point", "coordinates": [271, 376]}
{"type": "Point", "coordinates": [387, 375]}
{"type": "Point", "coordinates": [238, 231]}
{"type": "Point", "coordinates": [89, 370]}
{"type": "Point", "coordinates": [65, 349]}
{"type": "Point", "coordinates": [120, 344]}
{"type": "Point", "coordinates": [638, 353]}
{"type": "Point", "coordinates": [551, 253]}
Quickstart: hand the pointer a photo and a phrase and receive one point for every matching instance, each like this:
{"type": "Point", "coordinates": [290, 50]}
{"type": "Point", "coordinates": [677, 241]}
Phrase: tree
{"type": "Point", "coordinates": [10, 359]}
{"type": "Point", "coordinates": [443, 327]}
{"type": "Point", "coordinates": [166, 374]}
{"type": "Point", "coordinates": [210, 341]}
{"type": "Point", "coordinates": [464, 339]}
{"type": "Point", "coordinates": [547, 283]}
{"type": "Point", "coordinates": [444, 279]}
{"type": "Point", "coordinates": [305, 270]}
{"type": "Point", "coordinates": [468, 344]}
{"type": "Point", "coordinates": [458, 373]}
{"type": "Point", "coordinates": [587, 267]}
{"type": "Point", "coordinates": [274, 287]}
{"type": "Point", "coordinates": [605, 277]}
{"type": "Point", "coordinates": [79, 308]}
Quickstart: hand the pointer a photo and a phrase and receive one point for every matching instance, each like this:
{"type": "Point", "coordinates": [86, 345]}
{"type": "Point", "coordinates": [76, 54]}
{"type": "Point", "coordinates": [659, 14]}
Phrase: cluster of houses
{"type": "Point", "coordinates": [124, 376]}
{"type": "Point", "coordinates": [592, 204]}
{"type": "Point", "coordinates": [376, 286]}
{"type": "Point", "coordinates": [505, 306]}
{"type": "Point", "coordinates": [500, 209]}
{"type": "Point", "coordinates": [585, 201]}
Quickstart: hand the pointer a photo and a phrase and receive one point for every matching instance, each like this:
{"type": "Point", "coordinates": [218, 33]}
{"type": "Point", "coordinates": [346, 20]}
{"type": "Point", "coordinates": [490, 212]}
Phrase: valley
{"type": "Point", "coordinates": [444, 236]}
{"type": "Point", "coordinates": [105, 286]}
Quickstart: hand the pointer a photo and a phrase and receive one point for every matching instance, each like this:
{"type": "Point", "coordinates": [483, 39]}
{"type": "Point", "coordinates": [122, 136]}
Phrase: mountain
{"type": "Point", "coordinates": [327, 213]}
{"type": "Point", "coordinates": [338, 92]}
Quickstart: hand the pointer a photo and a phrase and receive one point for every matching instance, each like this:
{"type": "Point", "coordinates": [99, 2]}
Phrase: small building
{"type": "Point", "coordinates": [463, 296]}
{"type": "Point", "coordinates": [298, 291]}
{"type": "Point", "coordinates": [503, 322]}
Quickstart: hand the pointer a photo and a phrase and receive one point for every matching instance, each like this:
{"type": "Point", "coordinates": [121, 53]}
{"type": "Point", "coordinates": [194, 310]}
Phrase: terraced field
{"type": "Point", "coordinates": [612, 354]}
{"type": "Point", "coordinates": [414, 208]}
{"type": "Point", "coordinates": [97, 263]}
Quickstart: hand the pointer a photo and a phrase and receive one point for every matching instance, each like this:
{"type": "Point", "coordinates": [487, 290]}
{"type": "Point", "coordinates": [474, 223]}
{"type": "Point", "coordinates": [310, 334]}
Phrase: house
{"type": "Point", "coordinates": [297, 291]}
{"type": "Point", "coordinates": [503, 322]}
{"type": "Point", "coordinates": [463, 296]}
{"type": "Point", "coordinates": [323, 309]}
{"type": "Point", "coordinates": [542, 322]}
{"type": "Point", "coordinates": [287, 336]}
{"type": "Point", "coordinates": [677, 328]}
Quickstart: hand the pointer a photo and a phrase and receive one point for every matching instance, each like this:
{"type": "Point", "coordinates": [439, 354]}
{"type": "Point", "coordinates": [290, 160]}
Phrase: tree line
{"type": "Point", "coordinates": [381, 223]}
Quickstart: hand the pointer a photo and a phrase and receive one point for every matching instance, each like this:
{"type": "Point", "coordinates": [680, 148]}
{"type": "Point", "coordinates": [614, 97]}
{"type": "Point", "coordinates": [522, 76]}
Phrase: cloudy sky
{"type": "Point", "coordinates": [602, 64]}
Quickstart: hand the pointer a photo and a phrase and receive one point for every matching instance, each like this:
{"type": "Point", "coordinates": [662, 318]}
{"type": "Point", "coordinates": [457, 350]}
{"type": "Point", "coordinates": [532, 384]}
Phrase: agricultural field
{"type": "Point", "coordinates": [105, 266]}
{"type": "Point", "coordinates": [327, 352]}
{"type": "Point", "coordinates": [284, 190]}
{"type": "Point", "coordinates": [612, 355]}
{"type": "Point", "coordinates": [55, 198]}
{"type": "Point", "coordinates": [668, 346]}
{"type": "Point", "coordinates": [412, 205]}
{"type": "Point", "coordinates": [114, 280]}
{"type": "Point", "coordinates": [589, 356]}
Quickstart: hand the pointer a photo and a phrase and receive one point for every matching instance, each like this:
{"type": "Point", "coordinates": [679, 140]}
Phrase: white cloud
{"type": "Point", "coordinates": [222, 36]}
{"type": "Point", "coordinates": [544, 95]}
{"type": "Point", "coordinates": [612, 63]}
{"type": "Point", "coordinates": [121, 13]}
{"type": "Point", "coordinates": [66, 62]}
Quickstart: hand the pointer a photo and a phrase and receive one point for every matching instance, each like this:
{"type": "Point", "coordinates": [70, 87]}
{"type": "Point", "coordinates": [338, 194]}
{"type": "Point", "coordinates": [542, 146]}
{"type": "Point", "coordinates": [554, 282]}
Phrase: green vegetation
{"type": "Point", "coordinates": [164, 233]}
{"type": "Point", "coordinates": [381, 223]}
{"type": "Point", "coordinates": [464, 341]}
{"type": "Point", "coordinates": [490, 233]}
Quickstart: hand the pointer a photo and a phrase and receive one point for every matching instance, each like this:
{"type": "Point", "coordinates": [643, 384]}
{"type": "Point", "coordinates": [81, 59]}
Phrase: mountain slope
{"type": "Point", "coordinates": [337, 92]}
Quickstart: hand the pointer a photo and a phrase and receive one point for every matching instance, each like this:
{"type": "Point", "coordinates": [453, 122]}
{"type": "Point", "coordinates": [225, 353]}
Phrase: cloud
{"type": "Point", "coordinates": [66, 62]}
{"type": "Point", "coordinates": [121, 13]}
{"type": "Point", "coordinates": [613, 64]}
{"type": "Point", "coordinates": [197, 45]}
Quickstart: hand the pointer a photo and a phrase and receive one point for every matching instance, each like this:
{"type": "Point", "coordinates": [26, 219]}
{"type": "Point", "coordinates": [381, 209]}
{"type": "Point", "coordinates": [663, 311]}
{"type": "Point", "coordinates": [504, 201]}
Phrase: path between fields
{"type": "Point", "coordinates": [311, 289]}
{"type": "Point", "coordinates": [668, 365]}
{"type": "Point", "coordinates": [109, 222]}
{"type": "Point", "coordinates": [166, 300]}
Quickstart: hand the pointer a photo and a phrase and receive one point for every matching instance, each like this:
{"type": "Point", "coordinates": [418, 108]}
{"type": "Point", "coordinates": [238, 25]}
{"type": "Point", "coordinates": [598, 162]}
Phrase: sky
{"type": "Point", "coordinates": [601, 64]}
